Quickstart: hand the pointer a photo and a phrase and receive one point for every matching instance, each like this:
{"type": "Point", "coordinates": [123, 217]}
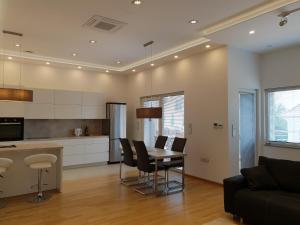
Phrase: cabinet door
{"type": "Point", "coordinates": [96, 157]}
{"type": "Point", "coordinates": [67, 112]}
{"type": "Point", "coordinates": [43, 96]}
{"type": "Point", "coordinates": [93, 99]}
{"type": "Point", "coordinates": [11, 109]}
{"type": "Point", "coordinates": [96, 148]}
{"type": "Point", "coordinates": [93, 112]}
{"type": "Point", "coordinates": [39, 111]}
{"type": "Point", "coordinates": [67, 98]}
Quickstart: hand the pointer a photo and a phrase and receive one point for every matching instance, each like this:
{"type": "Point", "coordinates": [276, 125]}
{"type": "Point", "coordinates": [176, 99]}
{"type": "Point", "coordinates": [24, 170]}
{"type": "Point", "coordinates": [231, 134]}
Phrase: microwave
{"type": "Point", "coordinates": [11, 129]}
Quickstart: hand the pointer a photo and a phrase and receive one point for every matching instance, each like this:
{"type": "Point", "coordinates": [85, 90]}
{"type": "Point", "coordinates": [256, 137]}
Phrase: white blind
{"type": "Point", "coordinates": [173, 117]}
{"type": "Point", "coordinates": [151, 127]}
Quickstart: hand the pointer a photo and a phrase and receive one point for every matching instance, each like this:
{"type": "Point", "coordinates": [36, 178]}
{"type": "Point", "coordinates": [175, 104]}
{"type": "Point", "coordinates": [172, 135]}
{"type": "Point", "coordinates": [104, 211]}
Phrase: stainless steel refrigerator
{"type": "Point", "coordinates": [116, 113]}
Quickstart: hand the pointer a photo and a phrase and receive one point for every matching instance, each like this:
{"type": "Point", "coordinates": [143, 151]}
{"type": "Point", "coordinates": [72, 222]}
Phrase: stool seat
{"type": "Point", "coordinates": [41, 165]}
{"type": "Point", "coordinates": [5, 163]}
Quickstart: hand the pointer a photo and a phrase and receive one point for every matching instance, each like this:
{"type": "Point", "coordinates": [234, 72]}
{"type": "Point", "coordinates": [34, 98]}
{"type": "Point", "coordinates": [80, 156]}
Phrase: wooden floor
{"type": "Point", "coordinates": [102, 200]}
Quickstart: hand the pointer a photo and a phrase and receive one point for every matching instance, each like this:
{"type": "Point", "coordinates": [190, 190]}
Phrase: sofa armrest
{"type": "Point", "coordinates": [231, 186]}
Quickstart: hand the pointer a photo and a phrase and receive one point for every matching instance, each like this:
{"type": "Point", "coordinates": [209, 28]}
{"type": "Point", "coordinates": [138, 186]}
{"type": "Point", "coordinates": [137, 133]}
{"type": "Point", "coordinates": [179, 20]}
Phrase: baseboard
{"type": "Point", "coordinates": [85, 165]}
{"type": "Point", "coordinates": [202, 179]}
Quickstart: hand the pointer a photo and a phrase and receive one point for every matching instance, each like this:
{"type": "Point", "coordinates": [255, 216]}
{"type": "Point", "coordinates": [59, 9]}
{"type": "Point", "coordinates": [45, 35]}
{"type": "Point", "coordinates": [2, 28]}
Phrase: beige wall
{"type": "Point", "coordinates": [281, 68]}
{"type": "Point", "coordinates": [203, 78]}
{"type": "Point", "coordinates": [243, 75]}
{"type": "Point", "coordinates": [50, 77]}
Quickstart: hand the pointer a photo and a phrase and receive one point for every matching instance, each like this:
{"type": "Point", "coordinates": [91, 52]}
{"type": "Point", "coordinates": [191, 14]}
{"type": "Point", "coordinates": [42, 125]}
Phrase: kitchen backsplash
{"type": "Point", "coordinates": [60, 128]}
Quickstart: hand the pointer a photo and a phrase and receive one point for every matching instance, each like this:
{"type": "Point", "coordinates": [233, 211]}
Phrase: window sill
{"type": "Point", "coordinates": [283, 145]}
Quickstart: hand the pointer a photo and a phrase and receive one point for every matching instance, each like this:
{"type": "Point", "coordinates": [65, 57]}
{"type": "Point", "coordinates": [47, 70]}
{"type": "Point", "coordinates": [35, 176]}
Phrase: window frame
{"type": "Point", "coordinates": [267, 141]}
{"type": "Point", "coordinates": [160, 98]}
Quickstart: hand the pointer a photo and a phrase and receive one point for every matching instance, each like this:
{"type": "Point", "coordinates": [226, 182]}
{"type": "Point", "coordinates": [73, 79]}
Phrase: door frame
{"type": "Point", "coordinates": [254, 92]}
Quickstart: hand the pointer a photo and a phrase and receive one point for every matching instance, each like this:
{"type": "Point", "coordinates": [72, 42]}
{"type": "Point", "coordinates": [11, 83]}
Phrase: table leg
{"type": "Point", "coordinates": [121, 169]}
{"type": "Point", "coordinates": [155, 176]}
{"type": "Point", "coordinates": [183, 173]}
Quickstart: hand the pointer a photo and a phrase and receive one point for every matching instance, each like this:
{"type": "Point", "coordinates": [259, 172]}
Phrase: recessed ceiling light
{"type": "Point", "coordinates": [92, 41]}
{"type": "Point", "coordinates": [193, 21]}
{"type": "Point", "coordinates": [252, 32]}
{"type": "Point", "coordinates": [9, 57]}
{"type": "Point", "coordinates": [47, 63]}
{"type": "Point", "coordinates": [207, 46]}
{"type": "Point", "coordinates": [79, 67]}
{"type": "Point", "coordinates": [18, 45]}
{"type": "Point", "coordinates": [133, 70]}
{"type": "Point", "coordinates": [136, 2]}
{"type": "Point", "coordinates": [152, 64]}
{"type": "Point", "coordinates": [107, 71]}
{"type": "Point", "coordinates": [74, 54]}
{"type": "Point", "coordinates": [118, 62]}
{"type": "Point", "coordinates": [176, 56]}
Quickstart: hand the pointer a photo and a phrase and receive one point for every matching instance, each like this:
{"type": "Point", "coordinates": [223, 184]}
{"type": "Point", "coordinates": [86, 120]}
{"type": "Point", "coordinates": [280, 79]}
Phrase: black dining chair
{"type": "Point", "coordinates": [144, 163]}
{"type": "Point", "coordinates": [128, 160]}
{"type": "Point", "coordinates": [177, 146]}
{"type": "Point", "coordinates": [161, 142]}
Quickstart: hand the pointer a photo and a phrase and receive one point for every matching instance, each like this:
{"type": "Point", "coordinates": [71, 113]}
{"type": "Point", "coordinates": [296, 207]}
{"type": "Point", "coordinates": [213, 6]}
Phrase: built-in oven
{"type": "Point", "coordinates": [11, 129]}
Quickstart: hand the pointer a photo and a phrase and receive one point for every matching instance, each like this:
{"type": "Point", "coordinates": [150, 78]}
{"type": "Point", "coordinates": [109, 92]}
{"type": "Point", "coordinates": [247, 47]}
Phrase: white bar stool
{"type": "Point", "coordinates": [4, 165]}
{"type": "Point", "coordinates": [40, 162]}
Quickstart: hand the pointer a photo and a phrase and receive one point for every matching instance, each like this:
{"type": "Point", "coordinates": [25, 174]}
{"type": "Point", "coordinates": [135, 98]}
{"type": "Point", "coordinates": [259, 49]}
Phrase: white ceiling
{"type": "Point", "coordinates": [53, 28]}
{"type": "Point", "coordinates": [268, 34]}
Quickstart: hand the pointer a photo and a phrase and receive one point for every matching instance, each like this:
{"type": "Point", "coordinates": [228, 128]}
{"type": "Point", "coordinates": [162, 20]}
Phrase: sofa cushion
{"type": "Point", "coordinates": [258, 178]}
{"type": "Point", "coordinates": [285, 172]}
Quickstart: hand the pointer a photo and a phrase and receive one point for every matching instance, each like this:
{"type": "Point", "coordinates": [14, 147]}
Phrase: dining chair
{"type": "Point", "coordinates": [161, 142]}
{"type": "Point", "coordinates": [128, 159]}
{"type": "Point", "coordinates": [177, 146]}
{"type": "Point", "coordinates": [144, 163]}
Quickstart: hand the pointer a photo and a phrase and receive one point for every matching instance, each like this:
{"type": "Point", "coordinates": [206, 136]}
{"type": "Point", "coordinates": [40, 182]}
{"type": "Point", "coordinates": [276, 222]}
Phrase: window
{"type": "Point", "coordinates": [283, 116]}
{"type": "Point", "coordinates": [172, 123]}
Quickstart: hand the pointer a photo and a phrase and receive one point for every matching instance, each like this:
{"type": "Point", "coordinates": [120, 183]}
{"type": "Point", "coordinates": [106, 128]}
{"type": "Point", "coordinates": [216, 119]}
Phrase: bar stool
{"type": "Point", "coordinates": [40, 162]}
{"type": "Point", "coordinates": [4, 165]}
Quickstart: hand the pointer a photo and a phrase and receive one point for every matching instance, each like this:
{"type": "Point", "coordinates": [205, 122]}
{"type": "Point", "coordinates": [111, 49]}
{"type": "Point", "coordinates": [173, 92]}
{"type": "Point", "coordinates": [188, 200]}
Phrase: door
{"type": "Point", "coordinates": [247, 129]}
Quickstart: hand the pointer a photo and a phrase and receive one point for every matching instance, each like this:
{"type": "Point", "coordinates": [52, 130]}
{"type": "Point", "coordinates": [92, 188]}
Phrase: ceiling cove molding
{"type": "Point", "coordinates": [167, 53]}
{"type": "Point", "coordinates": [161, 55]}
{"type": "Point", "coordinates": [40, 58]}
{"type": "Point", "coordinates": [246, 15]}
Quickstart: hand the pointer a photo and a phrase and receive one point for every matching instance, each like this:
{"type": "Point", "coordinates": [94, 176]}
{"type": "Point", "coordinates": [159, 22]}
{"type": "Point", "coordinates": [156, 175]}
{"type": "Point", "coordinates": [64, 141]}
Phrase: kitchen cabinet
{"type": "Point", "coordinates": [11, 109]}
{"type": "Point", "coordinates": [39, 111]}
{"type": "Point", "coordinates": [67, 112]}
{"type": "Point", "coordinates": [67, 98]}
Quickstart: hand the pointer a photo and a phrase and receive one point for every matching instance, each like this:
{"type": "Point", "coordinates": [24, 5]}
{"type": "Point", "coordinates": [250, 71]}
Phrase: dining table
{"type": "Point", "coordinates": [158, 155]}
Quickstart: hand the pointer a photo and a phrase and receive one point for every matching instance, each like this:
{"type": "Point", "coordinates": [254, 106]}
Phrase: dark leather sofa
{"type": "Point", "coordinates": [266, 207]}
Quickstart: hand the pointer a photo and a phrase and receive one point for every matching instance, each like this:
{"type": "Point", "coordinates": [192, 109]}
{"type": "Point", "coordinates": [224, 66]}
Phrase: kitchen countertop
{"type": "Point", "coordinates": [22, 147]}
{"type": "Point", "coordinates": [64, 138]}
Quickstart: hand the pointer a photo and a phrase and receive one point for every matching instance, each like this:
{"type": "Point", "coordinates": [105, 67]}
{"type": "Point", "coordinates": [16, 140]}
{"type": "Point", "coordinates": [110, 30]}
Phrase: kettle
{"type": "Point", "coordinates": [77, 132]}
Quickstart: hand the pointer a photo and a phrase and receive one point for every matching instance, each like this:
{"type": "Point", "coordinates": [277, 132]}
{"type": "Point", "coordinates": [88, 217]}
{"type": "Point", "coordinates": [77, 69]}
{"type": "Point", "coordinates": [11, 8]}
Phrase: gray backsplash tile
{"type": "Point", "coordinates": [59, 128]}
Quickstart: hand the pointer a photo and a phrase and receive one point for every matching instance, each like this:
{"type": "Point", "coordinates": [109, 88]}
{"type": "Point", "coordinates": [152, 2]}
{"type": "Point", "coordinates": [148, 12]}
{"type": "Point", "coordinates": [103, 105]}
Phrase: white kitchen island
{"type": "Point", "coordinates": [19, 178]}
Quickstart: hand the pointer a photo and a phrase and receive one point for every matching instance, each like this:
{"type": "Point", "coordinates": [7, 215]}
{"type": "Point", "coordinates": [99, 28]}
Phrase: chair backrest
{"type": "Point", "coordinates": [178, 144]}
{"type": "Point", "coordinates": [142, 155]}
{"type": "Point", "coordinates": [5, 162]}
{"type": "Point", "coordinates": [161, 142]}
{"type": "Point", "coordinates": [40, 158]}
{"type": "Point", "coordinates": [128, 153]}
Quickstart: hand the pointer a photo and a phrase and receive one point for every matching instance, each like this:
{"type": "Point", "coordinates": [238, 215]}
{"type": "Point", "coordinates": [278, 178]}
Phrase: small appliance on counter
{"type": "Point", "coordinates": [77, 132]}
{"type": "Point", "coordinates": [116, 113]}
{"type": "Point", "coordinates": [11, 129]}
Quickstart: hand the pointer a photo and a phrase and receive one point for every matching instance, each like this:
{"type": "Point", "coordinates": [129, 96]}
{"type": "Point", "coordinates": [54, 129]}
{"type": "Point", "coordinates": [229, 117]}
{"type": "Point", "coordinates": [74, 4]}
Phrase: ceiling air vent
{"type": "Point", "coordinates": [105, 24]}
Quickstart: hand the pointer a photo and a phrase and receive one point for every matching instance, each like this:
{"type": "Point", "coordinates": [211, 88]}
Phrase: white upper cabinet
{"type": "Point", "coordinates": [67, 98]}
{"type": "Point", "coordinates": [39, 111]}
{"type": "Point", "coordinates": [93, 112]}
{"type": "Point", "coordinates": [11, 109]}
{"type": "Point", "coordinates": [67, 112]}
{"type": "Point", "coordinates": [93, 99]}
{"type": "Point", "coordinates": [43, 96]}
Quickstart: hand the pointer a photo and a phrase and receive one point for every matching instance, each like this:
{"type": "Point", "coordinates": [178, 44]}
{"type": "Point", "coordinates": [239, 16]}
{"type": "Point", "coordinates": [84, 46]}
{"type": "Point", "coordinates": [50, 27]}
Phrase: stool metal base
{"type": "Point", "coordinates": [38, 198]}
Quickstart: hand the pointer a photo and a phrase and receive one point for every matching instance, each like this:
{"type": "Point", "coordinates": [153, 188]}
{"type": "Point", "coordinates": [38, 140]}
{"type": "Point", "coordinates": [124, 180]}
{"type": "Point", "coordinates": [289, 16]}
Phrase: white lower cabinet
{"type": "Point", "coordinates": [85, 151]}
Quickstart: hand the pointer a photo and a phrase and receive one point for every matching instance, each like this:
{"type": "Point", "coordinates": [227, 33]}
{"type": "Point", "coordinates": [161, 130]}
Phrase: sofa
{"type": "Point", "coordinates": [277, 203]}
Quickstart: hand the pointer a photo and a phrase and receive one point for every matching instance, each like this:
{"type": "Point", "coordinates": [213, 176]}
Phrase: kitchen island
{"type": "Point", "coordinates": [19, 178]}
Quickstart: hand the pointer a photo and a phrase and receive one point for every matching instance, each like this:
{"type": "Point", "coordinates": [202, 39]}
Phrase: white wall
{"type": "Point", "coordinates": [243, 74]}
{"type": "Point", "coordinates": [203, 78]}
{"type": "Point", "coordinates": [50, 77]}
{"type": "Point", "coordinates": [281, 68]}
